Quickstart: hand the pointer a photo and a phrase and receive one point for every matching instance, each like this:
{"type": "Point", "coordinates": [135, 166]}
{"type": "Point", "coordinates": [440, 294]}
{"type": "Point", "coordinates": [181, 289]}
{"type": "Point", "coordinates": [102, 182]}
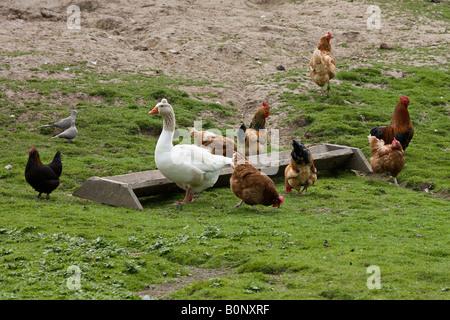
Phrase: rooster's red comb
{"type": "Point", "coordinates": [405, 100]}
{"type": "Point", "coordinates": [265, 105]}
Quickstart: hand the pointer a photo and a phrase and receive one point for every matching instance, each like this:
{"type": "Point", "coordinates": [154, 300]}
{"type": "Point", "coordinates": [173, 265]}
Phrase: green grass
{"type": "Point", "coordinates": [412, 8]}
{"type": "Point", "coordinates": [316, 246]}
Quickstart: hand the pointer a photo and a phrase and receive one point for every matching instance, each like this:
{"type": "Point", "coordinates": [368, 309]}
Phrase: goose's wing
{"type": "Point", "coordinates": [199, 157]}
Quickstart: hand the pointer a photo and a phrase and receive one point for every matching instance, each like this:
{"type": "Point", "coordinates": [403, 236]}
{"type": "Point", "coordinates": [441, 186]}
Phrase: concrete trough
{"type": "Point", "coordinates": [125, 190]}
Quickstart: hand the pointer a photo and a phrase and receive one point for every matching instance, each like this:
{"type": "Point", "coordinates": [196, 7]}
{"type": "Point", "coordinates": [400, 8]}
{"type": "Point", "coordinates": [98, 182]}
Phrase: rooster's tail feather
{"type": "Point", "coordinates": [241, 133]}
{"type": "Point", "coordinates": [56, 164]}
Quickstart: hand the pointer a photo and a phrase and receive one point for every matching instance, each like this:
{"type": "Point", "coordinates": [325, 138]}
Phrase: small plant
{"type": "Point", "coordinates": [131, 266]}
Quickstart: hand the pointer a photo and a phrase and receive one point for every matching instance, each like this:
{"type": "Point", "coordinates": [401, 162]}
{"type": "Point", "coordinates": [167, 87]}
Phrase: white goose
{"type": "Point", "coordinates": [191, 167]}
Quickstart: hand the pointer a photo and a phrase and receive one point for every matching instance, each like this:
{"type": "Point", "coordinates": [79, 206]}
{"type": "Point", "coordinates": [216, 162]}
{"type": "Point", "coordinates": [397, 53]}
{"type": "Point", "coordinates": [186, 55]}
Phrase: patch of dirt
{"type": "Point", "coordinates": [395, 74]}
{"type": "Point", "coordinates": [236, 43]}
{"type": "Point", "coordinates": [160, 291]}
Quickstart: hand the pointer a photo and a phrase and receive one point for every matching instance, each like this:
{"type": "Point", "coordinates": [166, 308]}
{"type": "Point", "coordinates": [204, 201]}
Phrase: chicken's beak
{"type": "Point", "coordinates": [154, 110]}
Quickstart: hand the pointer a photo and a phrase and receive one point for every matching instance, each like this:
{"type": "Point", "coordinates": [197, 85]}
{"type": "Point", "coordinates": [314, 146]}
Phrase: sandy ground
{"type": "Point", "coordinates": [235, 43]}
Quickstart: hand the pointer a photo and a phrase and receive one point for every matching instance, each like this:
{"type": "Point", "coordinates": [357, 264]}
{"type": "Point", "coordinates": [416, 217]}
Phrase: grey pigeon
{"type": "Point", "coordinates": [63, 123]}
{"type": "Point", "coordinates": [70, 133]}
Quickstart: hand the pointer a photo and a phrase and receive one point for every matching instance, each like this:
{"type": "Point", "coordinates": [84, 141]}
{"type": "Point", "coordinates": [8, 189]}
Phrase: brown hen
{"type": "Point", "coordinates": [217, 144]}
{"type": "Point", "coordinates": [252, 186]}
{"type": "Point", "coordinates": [389, 158]}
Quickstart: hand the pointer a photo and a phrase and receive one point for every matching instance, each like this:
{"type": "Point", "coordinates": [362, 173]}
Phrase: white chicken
{"type": "Point", "coordinates": [191, 167]}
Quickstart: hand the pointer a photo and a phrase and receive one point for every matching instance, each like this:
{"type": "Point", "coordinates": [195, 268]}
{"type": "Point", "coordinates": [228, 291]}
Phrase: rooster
{"type": "Point", "coordinates": [252, 186]}
{"type": "Point", "coordinates": [43, 178]}
{"type": "Point", "coordinates": [322, 66]}
{"type": "Point", "coordinates": [301, 170]}
{"type": "Point", "coordinates": [401, 127]}
{"type": "Point", "coordinates": [217, 144]}
{"type": "Point", "coordinates": [254, 138]}
{"type": "Point", "coordinates": [388, 158]}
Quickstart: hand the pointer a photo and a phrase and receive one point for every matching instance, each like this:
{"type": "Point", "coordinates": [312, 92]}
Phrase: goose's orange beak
{"type": "Point", "coordinates": [154, 110]}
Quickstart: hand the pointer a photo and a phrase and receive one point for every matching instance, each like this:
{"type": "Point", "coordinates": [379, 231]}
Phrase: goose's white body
{"type": "Point", "coordinates": [191, 167]}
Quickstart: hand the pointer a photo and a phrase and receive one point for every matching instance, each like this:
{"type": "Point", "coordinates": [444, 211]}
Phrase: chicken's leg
{"type": "Point", "coordinates": [395, 180]}
{"type": "Point", "coordinates": [328, 87]}
{"type": "Point", "coordinates": [238, 205]}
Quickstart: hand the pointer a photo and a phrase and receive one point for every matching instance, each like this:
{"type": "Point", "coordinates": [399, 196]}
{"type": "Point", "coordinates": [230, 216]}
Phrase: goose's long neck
{"type": "Point", "coordinates": [164, 143]}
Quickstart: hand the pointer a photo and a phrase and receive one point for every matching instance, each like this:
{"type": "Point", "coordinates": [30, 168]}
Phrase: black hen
{"type": "Point", "coordinates": [43, 178]}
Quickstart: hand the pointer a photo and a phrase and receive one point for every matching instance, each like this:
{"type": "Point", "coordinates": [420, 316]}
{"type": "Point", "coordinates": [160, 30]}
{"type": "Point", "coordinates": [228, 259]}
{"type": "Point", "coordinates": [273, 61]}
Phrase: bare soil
{"type": "Point", "coordinates": [161, 291]}
{"type": "Point", "coordinates": [235, 43]}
